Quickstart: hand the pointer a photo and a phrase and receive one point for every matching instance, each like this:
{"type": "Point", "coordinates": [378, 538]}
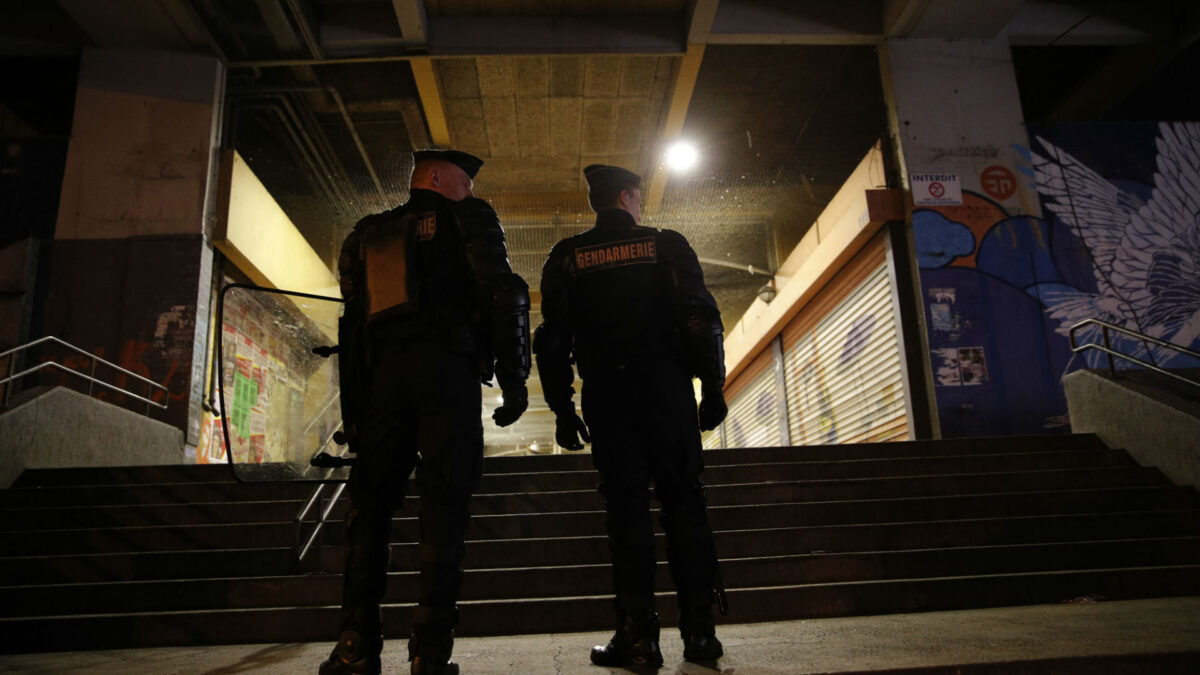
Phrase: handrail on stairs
{"type": "Point", "coordinates": [1107, 348]}
{"type": "Point", "coordinates": [303, 547]}
{"type": "Point", "coordinates": [90, 376]}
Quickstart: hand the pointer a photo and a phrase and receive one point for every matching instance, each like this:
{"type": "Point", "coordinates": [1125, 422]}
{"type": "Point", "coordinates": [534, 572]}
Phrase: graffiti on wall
{"type": "Point", "coordinates": [164, 359]}
{"type": "Point", "coordinates": [1143, 241]}
{"type": "Point", "coordinates": [1002, 290]}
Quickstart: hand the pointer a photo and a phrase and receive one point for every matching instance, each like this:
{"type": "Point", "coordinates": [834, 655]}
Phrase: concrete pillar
{"type": "Point", "coordinates": [131, 266]}
{"type": "Point", "coordinates": [958, 131]}
{"type": "Point", "coordinates": [953, 108]}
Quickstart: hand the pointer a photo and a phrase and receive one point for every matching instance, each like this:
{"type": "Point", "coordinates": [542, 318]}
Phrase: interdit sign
{"type": "Point", "coordinates": [935, 189]}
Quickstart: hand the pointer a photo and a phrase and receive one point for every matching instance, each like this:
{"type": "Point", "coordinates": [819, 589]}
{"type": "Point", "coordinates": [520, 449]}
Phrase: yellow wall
{"type": "Point", "coordinates": [254, 232]}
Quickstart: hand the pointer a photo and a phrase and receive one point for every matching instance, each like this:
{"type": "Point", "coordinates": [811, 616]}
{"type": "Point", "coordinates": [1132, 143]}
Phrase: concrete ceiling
{"type": "Point", "coordinates": [326, 99]}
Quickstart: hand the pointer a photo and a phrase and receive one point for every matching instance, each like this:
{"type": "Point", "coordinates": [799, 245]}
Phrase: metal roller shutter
{"type": "Point", "coordinates": [753, 419]}
{"type": "Point", "coordinates": [842, 366]}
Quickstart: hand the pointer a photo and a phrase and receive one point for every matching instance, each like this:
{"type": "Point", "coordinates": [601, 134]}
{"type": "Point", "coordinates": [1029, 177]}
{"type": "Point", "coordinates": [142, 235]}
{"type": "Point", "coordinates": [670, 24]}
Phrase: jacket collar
{"type": "Point", "coordinates": [614, 219]}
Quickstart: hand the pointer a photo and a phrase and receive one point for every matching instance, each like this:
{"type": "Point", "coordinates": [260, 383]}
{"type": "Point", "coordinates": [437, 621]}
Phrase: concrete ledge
{"type": "Point", "coordinates": [1158, 428]}
{"type": "Point", "coordinates": [64, 428]}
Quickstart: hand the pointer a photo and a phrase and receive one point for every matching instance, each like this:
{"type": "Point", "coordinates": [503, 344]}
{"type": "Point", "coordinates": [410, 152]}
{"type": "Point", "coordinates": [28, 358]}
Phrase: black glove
{"type": "Point", "coordinates": [568, 429]}
{"type": "Point", "coordinates": [516, 400]}
{"type": "Point", "coordinates": [712, 409]}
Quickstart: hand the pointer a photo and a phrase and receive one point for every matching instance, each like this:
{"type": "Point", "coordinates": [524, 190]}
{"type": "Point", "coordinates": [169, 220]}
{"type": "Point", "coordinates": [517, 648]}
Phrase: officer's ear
{"type": "Point", "coordinates": [627, 198]}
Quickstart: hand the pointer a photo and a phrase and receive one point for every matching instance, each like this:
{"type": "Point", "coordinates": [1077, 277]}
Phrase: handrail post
{"type": "Point", "coordinates": [1112, 370]}
{"type": "Point", "coordinates": [8, 385]}
{"type": "Point", "coordinates": [92, 374]}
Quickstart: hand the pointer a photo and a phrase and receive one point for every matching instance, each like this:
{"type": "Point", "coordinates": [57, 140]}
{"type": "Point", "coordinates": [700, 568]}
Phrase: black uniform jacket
{"type": "Point", "coordinates": [621, 295]}
{"type": "Point", "coordinates": [444, 268]}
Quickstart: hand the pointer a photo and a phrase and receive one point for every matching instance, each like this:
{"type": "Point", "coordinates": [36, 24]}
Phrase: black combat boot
{"type": "Point", "coordinates": [635, 643]}
{"type": "Point", "coordinates": [432, 642]}
{"type": "Point", "coordinates": [699, 634]}
{"type": "Point", "coordinates": [354, 654]}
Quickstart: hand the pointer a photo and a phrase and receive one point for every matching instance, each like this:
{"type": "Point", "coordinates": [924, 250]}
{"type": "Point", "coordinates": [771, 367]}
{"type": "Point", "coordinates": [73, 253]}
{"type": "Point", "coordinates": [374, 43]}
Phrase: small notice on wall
{"type": "Point", "coordinates": [959, 366]}
{"type": "Point", "coordinates": [935, 189]}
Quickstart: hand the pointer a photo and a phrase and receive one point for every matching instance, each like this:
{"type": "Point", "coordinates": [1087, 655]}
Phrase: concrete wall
{"type": "Point", "coordinates": [130, 265]}
{"type": "Point", "coordinates": [1158, 429]}
{"type": "Point", "coordinates": [63, 428]}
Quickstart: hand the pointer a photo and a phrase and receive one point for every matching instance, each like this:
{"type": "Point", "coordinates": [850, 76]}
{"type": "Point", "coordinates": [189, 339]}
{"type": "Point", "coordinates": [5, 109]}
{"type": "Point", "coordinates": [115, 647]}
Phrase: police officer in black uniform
{"type": "Point", "coordinates": [432, 308]}
{"type": "Point", "coordinates": [629, 305]}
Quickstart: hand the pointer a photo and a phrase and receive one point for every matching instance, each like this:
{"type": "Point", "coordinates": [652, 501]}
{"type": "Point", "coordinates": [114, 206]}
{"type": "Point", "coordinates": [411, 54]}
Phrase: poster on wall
{"type": "Point", "coordinates": [1117, 241]}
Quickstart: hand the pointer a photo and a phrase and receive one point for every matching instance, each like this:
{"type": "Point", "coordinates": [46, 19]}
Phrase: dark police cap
{"type": "Point", "coordinates": [468, 163]}
{"type": "Point", "coordinates": [603, 176]}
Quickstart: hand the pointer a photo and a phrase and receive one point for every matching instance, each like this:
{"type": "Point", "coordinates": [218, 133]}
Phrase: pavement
{"type": "Point", "coordinates": [1087, 635]}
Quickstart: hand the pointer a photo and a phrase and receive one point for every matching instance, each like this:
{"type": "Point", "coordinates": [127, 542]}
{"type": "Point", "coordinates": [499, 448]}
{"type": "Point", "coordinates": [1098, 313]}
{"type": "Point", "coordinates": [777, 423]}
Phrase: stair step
{"type": "Point", "coordinates": [127, 475]}
{"type": "Point", "coordinates": [743, 472]}
{"type": "Point", "coordinates": [799, 489]}
{"type": "Point", "coordinates": [596, 578]}
{"type": "Point", "coordinates": [756, 541]}
{"type": "Point", "coordinates": [550, 524]}
{"type": "Point", "coordinates": [594, 612]}
{"type": "Point", "coordinates": [567, 523]}
{"type": "Point", "coordinates": [157, 556]}
{"type": "Point", "coordinates": [146, 565]}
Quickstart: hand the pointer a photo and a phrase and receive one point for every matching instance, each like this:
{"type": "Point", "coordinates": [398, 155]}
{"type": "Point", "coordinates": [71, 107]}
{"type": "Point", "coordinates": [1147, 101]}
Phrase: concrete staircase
{"type": "Point", "coordinates": [183, 555]}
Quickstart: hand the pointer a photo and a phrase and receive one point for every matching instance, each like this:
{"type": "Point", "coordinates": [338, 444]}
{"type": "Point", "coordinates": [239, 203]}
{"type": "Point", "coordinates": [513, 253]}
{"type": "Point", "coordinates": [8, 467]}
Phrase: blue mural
{"type": "Point", "coordinates": [1143, 241]}
{"type": "Point", "coordinates": [1119, 241]}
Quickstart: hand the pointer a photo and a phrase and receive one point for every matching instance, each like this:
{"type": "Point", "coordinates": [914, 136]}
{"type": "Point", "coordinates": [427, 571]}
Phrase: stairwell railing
{"type": "Point", "coordinates": [152, 387]}
{"type": "Point", "coordinates": [325, 462]}
{"type": "Point", "coordinates": [1107, 348]}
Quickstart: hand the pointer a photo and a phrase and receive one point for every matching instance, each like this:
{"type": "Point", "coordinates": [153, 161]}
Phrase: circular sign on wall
{"type": "Point", "coordinates": [998, 182]}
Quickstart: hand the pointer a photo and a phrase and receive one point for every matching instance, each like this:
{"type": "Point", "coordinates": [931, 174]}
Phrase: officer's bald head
{"type": "Point", "coordinates": [450, 173]}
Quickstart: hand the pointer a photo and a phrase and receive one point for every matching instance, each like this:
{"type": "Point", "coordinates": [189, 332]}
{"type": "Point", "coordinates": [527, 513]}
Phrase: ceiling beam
{"type": "Point", "coordinates": [681, 98]}
{"type": "Point", "coordinates": [699, 20]}
{"type": "Point", "coordinates": [818, 22]}
{"type": "Point", "coordinates": [137, 25]}
{"type": "Point", "coordinates": [410, 15]}
{"type": "Point", "coordinates": [430, 93]}
{"type": "Point", "coordinates": [947, 18]}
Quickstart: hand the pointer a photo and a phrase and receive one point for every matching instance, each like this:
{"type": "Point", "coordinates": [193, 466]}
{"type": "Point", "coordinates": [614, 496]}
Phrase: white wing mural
{"type": "Point", "coordinates": [1146, 255]}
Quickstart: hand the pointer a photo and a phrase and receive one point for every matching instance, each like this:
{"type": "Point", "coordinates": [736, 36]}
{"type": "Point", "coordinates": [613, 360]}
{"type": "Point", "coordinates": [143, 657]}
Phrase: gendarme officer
{"type": "Point", "coordinates": [629, 305]}
{"type": "Point", "coordinates": [432, 308]}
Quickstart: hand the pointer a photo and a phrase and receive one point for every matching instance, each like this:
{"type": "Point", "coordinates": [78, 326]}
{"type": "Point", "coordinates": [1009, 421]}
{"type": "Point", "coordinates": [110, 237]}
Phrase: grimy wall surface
{"type": "Point", "coordinates": [130, 265]}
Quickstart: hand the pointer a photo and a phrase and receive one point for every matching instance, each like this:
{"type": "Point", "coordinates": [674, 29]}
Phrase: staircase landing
{"type": "Point", "coordinates": [1133, 636]}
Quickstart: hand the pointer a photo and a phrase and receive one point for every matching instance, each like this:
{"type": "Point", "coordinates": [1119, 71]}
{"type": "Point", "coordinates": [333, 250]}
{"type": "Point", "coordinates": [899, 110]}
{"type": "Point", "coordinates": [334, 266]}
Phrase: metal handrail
{"type": "Point", "coordinates": [319, 523]}
{"type": "Point", "coordinates": [1106, 348]}
{"type": "Point", "coordinates": [90, 377]}
{"type": "Point", "coordinates": [302, 550]}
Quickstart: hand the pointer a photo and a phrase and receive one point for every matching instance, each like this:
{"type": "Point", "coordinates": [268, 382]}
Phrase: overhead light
{"type": "Point", "coordinates": [533, 447]}
{"type": "Point", "coordinates": [682, 156]}
{"type": "Point", "coordinates": [767, 293]}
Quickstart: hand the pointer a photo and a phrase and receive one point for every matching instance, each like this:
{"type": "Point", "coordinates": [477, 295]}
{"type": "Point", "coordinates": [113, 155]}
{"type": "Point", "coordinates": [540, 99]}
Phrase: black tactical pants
{"type": "Point", "coordinates": [423, 399]}
{"type": "Point", "coordinates": [644, 428]}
